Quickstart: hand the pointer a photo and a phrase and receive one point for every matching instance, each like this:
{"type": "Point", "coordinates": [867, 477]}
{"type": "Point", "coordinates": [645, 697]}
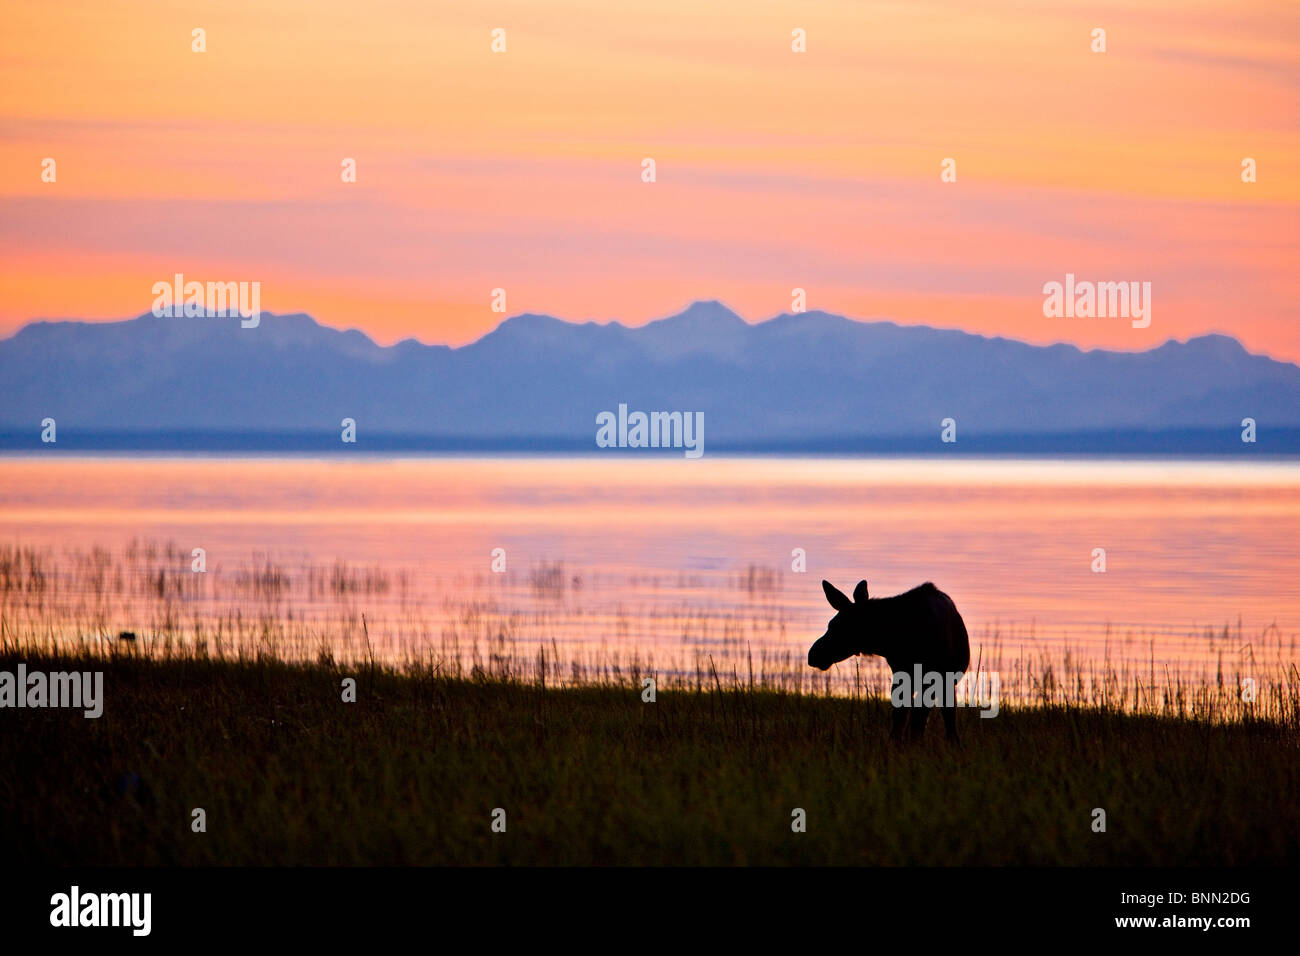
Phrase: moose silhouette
{"type": "Point", "coordinates": [917, 630]}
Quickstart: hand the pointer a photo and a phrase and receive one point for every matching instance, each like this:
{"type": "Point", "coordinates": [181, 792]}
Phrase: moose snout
{"type": "Point", "coordinates": [817, 657]}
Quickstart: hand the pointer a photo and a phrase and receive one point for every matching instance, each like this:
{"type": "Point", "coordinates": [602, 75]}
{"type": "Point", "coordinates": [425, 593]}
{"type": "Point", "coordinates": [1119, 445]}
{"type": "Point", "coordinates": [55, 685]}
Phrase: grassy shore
{"type": "Point", "coordinates": [411, 773]}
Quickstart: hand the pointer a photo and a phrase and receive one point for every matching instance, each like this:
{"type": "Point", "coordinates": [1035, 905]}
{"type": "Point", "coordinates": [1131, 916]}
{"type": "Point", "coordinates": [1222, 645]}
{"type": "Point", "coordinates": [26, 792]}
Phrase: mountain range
{"type": "Point", "coordinates": [810, 381]}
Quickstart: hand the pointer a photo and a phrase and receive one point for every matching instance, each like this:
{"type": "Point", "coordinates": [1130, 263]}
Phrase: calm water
{"type": "Point", "coordinates": [678, 560]}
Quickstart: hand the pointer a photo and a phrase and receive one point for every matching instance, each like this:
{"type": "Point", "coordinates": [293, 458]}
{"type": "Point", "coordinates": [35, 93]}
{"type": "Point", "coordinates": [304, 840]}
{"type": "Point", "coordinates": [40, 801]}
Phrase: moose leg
{"type": "Point", "coordinates": [950, 722]}
{"type": "Point", "coordinates": [918, 720]}
{"type": "Point", "coordinates": [900, 721]}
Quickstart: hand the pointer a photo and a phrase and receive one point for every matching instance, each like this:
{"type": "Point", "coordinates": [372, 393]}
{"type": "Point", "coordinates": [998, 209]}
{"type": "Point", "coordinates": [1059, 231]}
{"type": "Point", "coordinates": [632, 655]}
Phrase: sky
{"type": "Point", "coordinates": [775, 170]}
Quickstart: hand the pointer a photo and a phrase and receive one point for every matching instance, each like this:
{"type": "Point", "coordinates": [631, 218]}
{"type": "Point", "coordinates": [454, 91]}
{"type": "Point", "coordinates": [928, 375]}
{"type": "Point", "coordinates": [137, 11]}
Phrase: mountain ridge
{"type": "Point", "coordinates": [787, 378]}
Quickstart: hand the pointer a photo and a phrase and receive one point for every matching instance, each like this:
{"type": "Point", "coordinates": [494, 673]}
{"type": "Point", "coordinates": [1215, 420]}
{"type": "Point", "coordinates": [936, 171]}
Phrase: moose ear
{"type": "Point", "coordinates": [860, 592]}
{"type": "Point", "coordinates": [839, 600]}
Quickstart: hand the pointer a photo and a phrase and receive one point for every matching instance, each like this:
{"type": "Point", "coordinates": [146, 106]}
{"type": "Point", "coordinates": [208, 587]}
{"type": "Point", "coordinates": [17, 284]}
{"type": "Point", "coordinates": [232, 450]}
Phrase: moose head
{"type": "Point", "coordinates": [846, 631]}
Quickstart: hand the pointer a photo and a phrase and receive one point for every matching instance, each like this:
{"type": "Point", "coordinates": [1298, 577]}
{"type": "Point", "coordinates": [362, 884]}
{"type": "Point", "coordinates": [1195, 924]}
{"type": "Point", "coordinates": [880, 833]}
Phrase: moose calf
{"type": "Point", "coordinates": [920, 627]}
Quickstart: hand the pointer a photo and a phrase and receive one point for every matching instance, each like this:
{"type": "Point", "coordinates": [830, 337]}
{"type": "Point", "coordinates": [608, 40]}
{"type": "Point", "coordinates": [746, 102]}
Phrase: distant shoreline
{"type": "Point", "coordinates": [1224, 443]}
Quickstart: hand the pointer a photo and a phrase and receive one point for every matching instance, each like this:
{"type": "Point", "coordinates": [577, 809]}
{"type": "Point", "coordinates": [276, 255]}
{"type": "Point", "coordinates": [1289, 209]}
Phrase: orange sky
{"type": "Point", "coordinates": [776, 170]}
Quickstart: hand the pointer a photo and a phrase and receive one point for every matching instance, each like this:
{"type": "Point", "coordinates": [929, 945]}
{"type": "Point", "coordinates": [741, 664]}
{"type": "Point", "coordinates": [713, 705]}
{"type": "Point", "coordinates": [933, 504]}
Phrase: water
{"type": "Point", "coordinates": [687, 564]}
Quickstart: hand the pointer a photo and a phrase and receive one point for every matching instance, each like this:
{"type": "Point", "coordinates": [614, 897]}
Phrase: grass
{"type": "Point", "coordinates": [706, 775]}
{"type": "Point", "coordinates": [512, 627]}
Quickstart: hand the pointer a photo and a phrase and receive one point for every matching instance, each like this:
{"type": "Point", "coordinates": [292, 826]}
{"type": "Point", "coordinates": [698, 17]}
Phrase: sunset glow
{"type": "Point", "coordinates": [775, 170]}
